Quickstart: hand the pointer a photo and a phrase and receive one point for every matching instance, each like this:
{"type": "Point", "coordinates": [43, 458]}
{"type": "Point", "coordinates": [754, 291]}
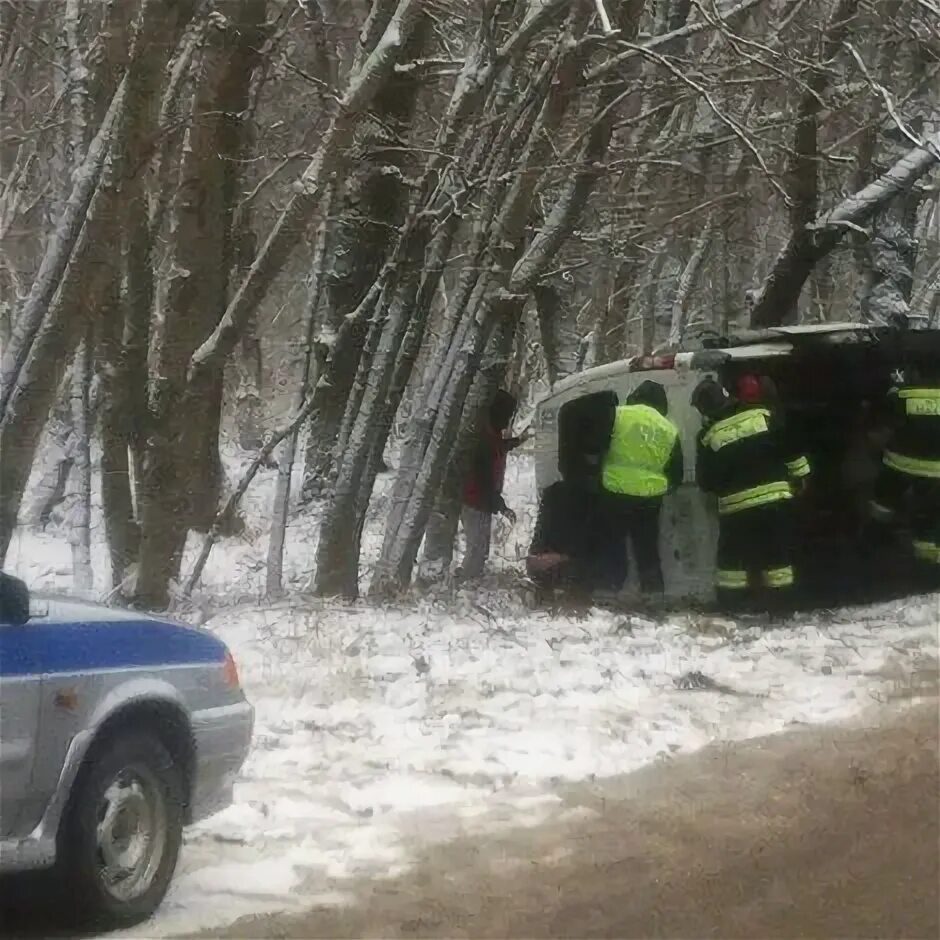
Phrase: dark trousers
{"type": "Point", "coordinates": [755, 557]}
{"type": "Point", "coordinates": [918, 500]}
{"type": "Point", "coordinates": [925, 527]}
{"type": "Point", "coordinates": [637, 519]}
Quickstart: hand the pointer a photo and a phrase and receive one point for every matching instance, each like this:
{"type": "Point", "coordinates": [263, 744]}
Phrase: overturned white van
{"type": "Point", "coordinates": [833, 382]}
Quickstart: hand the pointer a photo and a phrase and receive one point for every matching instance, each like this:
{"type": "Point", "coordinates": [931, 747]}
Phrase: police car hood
{"type": "Point", "coordinates": [58, 608]}
{"type": "Point", "coordinates": [93, 636]}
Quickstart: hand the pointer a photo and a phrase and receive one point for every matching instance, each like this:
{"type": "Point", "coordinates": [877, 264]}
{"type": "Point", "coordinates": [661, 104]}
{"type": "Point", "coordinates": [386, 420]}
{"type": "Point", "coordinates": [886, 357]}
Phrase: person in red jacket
{"type": "Point", "coordinates": [483, 489]}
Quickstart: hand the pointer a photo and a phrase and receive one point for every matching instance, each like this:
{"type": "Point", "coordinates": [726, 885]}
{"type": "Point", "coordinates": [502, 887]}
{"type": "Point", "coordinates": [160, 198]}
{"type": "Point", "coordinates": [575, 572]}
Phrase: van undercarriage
{"type": "Point", "coordinates": [833, 392]}
{"type": "Point", "coordinates": [835, 400]}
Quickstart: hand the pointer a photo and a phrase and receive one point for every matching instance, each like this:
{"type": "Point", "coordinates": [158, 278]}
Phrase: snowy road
{"type": "Point", "coordinates": [819, 833]}
{"type": "Point", "coordinates": [381, 731]}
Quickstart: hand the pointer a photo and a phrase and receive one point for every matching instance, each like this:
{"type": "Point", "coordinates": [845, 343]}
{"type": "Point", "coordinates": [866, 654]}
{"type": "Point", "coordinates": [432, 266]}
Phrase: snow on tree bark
{"type": "Point", "coordinates": [274, 576]}
{"type": "Point", "coordinates": [680, 304]}
{"type": "Point", "coordinates": [77, 263]}
{"type": "Point", "coordinates": [811, 238]}
{"type": "Point", "coordinates": [506, 286]}
{"type": "Point", "coordinates": [887, 259]}
{"type": "Point", "coordinates": [183, 477]}
{"type": "Point", "coordinates": [293, 221]}
{"type": "Point", "coordinates": [340, 535]}
{"type": "Point", "coordinates": [462, 339]}
{"type": "Point", "coordinates": [792, 267]}
{"type": "Point", "coordinates": [374, 205]}
{"type": "Point", "coordinates": [444, 520]}
{"type": "Point", "coordinates": [34, 384]}
{"type": "Point", "coordinates": [338, 554]}
{"type": "Point", "coordinates": [58, 253]}
{"type": "Point", "coordinates": [80, 515]}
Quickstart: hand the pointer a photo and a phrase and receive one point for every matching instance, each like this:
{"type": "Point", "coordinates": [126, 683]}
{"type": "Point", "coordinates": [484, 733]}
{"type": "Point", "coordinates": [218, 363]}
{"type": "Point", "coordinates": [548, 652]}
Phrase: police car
{"type": "Point", "coordinates": [116, 730]}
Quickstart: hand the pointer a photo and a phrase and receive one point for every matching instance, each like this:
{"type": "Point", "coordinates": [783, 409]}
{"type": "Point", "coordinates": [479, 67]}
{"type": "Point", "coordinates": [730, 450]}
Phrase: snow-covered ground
{"type": "Point", "coordinates": [379, 728]}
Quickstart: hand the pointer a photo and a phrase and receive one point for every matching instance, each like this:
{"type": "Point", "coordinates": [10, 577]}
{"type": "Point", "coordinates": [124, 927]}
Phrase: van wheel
{"type": "Point", "coordinates": [122, 833]}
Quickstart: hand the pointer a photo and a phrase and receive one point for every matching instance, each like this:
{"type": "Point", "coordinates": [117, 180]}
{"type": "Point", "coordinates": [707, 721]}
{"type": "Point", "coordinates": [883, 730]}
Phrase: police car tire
{"type": "Point", "coordinates": [88, 899]}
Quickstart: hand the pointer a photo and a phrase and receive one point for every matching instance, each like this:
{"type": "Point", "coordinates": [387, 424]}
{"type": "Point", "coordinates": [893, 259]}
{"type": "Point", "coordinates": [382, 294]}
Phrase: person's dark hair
{"type": "Point", "coordinates": [709, 397]}
{"type": "Point", "coordinates": [502, 408]}
{"type": "Point", "coordinates": [651, 394]}
{"type": "Point", "coordinates": [770, 391]}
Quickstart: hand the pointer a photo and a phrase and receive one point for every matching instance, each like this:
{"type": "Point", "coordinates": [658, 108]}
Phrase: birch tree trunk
{"type": "Point", "coordinates": [409, 299]}
{"type": "Point", "coordinates": [80, 517]}
{"type": "Point", "coordinates": [783, 286]}
{"type": "Point", "coordinates": [505, 290]}
{"type": "Point", "coordinates": [181, 487]}
{"type": "Point", "coordinates": [274, 576]}
{"type": "Point", "coordinates": [444, 520]}
{"type": "Point", "coordinates": [690, 272]}
{"type": "Point", "coordinates": [293, 221]}
{"type": "Point", "coordinates": [76, 266]}
{"type": "Point", "coordinates": [375, 204]}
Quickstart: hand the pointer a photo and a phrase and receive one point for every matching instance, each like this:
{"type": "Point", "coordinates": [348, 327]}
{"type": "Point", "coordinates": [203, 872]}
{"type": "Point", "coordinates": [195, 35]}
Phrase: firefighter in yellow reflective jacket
{"type": "Point", "coordinates": [643, 463]}
{"type": "Point", "coordinates": [745, 460]}
{"type": "Point", "coordinates": [910, 473]}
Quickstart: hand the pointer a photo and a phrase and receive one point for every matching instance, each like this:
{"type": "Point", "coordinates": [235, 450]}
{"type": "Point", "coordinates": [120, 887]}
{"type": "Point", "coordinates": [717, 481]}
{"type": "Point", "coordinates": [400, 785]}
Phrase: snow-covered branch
{"type": "Point", "coordinates": [806, 246]}
{"type": "Point", "coordinates": [287, 233]}
{"type": "Point", "coordinates": [665, 40]}
{"type": "Point", "coordinates": [59, 251]}
{"type": "Point", "coordinates": [861, 206]}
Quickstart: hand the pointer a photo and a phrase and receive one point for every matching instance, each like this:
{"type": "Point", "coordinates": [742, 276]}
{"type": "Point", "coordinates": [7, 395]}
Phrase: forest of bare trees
{"type": "Point", "coordinates": [331, 228]}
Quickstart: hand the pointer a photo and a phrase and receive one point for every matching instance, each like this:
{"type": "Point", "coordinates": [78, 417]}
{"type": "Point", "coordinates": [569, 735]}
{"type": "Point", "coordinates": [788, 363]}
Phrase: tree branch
{"type": "Point", "coordinates": [294, 220]}
{"type": "Point", "coordinates": [58, 252]}
{"type": "Point", "coordinates": [808, 245]}
{"type": "Point", "coordinates": [231, 504]}
{"type": "Point", "coordinates": [666, 39]}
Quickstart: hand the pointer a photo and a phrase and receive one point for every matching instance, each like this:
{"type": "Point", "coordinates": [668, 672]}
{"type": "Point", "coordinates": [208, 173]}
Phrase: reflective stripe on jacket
{"type": "Point", "coordinates": [744, 424]}
{"type": "Point", "coordinates": [920, 401]}
{"type": "Point", "coordinates": [746, 460]}
{"type": "Point", "coordinates": [915, 447]}
{"type": "Point", "coordinates": [912, 466]}
{"type": "Point", "coordinates": [641, 447]}
{"type": "Point", "coordinates": [756, 496]}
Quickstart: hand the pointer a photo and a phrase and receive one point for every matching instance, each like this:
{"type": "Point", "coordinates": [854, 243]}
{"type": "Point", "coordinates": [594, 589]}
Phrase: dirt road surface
{"type": "Point", "coordinates": [818, 833]}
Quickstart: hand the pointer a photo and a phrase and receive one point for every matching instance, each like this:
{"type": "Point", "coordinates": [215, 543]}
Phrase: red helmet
{"type": "Point", "coordinates": [749, 389]}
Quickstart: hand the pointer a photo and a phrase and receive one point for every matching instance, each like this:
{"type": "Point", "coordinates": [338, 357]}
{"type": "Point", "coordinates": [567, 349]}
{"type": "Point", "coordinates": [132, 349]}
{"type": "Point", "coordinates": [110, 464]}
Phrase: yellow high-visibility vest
{"type": "Point", "coordinates": [640, 448]}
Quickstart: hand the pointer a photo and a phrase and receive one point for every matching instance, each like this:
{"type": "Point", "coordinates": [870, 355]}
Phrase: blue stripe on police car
{"type": "Point", "coordinates": [38, 648]}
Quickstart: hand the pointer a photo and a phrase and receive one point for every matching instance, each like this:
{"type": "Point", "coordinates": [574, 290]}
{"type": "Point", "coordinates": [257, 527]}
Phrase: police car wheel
{"type": "Point", "coordinates": [123, 831]}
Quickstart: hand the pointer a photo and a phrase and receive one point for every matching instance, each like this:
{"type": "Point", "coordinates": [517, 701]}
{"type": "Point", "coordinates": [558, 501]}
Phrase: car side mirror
{"type": "Point", "coordinates": [14, 600]}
